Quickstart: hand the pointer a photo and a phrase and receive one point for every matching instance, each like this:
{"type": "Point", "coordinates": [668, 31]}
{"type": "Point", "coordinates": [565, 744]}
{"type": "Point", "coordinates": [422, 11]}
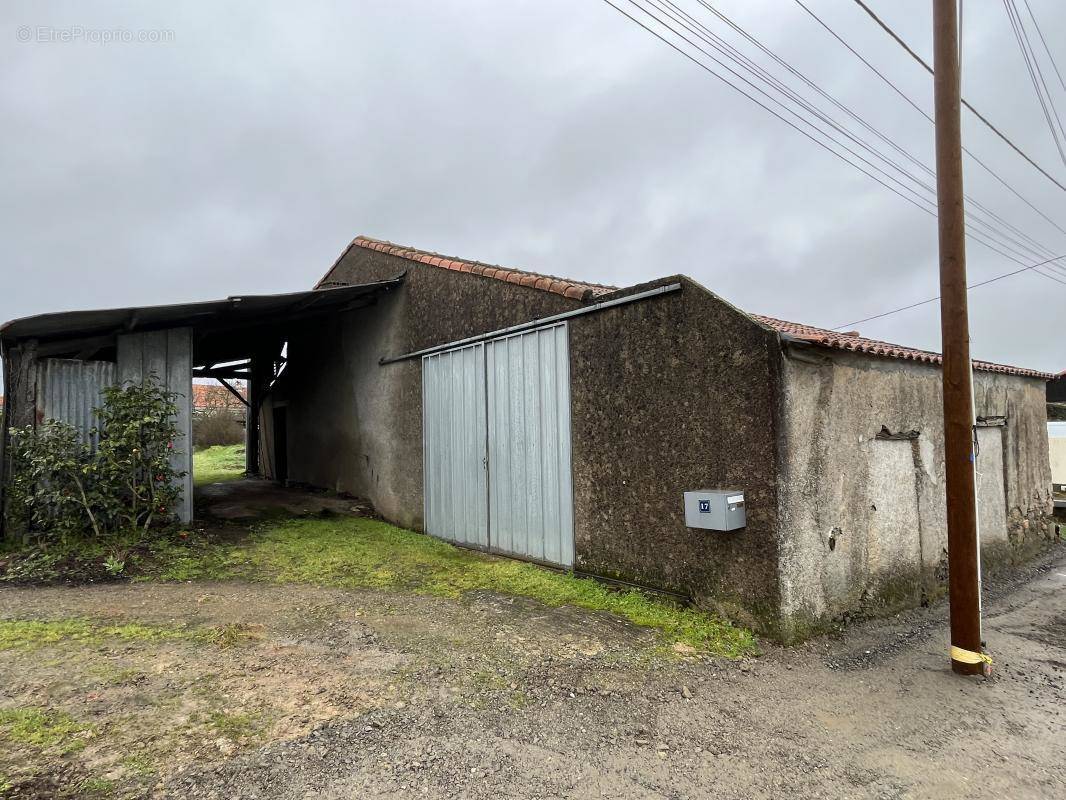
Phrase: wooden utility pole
{"type": "Point", "coordinates": [964, 570]}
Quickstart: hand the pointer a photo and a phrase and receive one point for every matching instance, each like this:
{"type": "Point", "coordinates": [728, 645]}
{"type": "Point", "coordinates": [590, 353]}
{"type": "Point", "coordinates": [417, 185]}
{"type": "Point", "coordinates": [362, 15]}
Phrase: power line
{"type": "Point", "coordinates": [924, 204]}
{"type": "Point", "coordinates": [1043, 41]}
{"type": "Point", "coordinates": [1025, 267]}
{"type": "Point", "coordinates": [969, 153]}
{"type": "Point", "coordinates": [929, 69]}
{"type": "Point", "coordinates": [1036, 75]}
{"type": "Point", "coordinates": [740, 60]}
{"type": "Point", "coordinates": [1034, 267]}
{"type": "Point", "coordinates": [872, 68]}
{"type": "Point", "coordinates": [1040, 250]}
{"type": "Point", "coordinates": [757, 102]}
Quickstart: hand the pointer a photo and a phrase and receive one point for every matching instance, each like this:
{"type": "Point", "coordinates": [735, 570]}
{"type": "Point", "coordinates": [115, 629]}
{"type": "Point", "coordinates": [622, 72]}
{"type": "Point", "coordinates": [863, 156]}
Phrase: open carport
{"type": "Point", "coordinates": [56, 365]}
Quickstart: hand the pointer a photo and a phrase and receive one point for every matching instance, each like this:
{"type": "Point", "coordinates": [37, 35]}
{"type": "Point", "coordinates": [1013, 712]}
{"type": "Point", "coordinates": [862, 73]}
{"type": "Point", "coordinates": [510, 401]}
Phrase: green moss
{"type": "Point", "coordinates": [355, 552]}
{"type": "Point", "coordinates": [190, 561]}
{"type": "Point", "coordinates": [42, 728]}
{"type": "Point", "coordinates": [218, 463]}
{"type": "Point", "coordinates": [18, 634]}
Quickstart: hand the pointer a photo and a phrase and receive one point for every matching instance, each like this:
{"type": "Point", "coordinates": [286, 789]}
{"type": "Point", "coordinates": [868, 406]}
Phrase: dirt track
{"type": "Point", "coordinates": [359, 694]}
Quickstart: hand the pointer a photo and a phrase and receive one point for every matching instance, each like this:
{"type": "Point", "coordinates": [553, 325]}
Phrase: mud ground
{"type": "Point", "coordinates": [356, 694]}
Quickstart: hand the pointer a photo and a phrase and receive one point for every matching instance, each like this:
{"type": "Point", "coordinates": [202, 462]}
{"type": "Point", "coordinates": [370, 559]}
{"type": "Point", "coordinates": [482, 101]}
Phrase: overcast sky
{"type": "Point", "coordinates": [242, 155]}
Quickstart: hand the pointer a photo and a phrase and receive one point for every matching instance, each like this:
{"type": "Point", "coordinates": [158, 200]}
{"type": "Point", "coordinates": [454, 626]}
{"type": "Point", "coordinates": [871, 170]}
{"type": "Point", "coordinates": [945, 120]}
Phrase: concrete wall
{"type": "Point", "coordinates": [356, 426]}
{"type": "Point", "coordinates": [862, 519]}
{"type": "Point", "coordinates": [671, 394]}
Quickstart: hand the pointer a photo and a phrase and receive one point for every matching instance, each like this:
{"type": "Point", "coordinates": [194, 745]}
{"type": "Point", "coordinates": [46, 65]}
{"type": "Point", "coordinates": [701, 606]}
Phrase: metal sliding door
{"type": "Point", "coordinates": [530, 491]}
{"type": "Point", "coordinates": [497, 445]}
{"type": "Point", "coordinates": [453, 412]}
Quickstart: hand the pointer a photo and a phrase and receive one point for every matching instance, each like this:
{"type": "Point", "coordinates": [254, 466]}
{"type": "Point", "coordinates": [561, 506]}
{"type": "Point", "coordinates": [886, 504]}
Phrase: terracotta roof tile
{"type": "Point", "coordinates": [579, 290]}
{"type": "Point", "coordinates": [852, 341]}
{"type": "Point", "coordinates": [567, 288]}
{"type": "Point", "coordinates": [209, 396]}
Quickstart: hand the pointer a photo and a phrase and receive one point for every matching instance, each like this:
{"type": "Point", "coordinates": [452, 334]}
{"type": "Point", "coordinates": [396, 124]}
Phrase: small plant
{"type": "Point", "coordinates": [114, 565]}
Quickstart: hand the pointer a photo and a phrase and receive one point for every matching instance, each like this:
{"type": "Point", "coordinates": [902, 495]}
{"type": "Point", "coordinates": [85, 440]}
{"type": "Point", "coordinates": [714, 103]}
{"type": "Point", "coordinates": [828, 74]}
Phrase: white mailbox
{"type": "Point", "coordinates": [715, 509]}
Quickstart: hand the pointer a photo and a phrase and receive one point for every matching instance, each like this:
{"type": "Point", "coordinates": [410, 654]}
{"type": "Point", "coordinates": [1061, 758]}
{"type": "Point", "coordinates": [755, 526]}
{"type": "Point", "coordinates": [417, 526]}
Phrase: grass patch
{"type": "Point", "coordinates": [140, 765]}
{"type": "Point", "coordinates": [235, 726]}
{"type": "Point", "coordinates": [43, 728]}
{"type": "Point", "coordinates": [98, 787]}
{"type": "Point", "coordinates": [218, 463]}
{"type": "Point", "coordinates": [33, 634]}
{"type": "Point", "coordinates": [353, 552]}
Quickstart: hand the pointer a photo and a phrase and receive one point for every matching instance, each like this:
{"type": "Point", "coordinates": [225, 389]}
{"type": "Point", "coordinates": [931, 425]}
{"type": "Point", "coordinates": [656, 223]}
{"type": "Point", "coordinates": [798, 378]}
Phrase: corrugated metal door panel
{"type": "Point", "coordinates": [69, 391]}
{"type": "Point", "coordinates": [167, 356]}
{"type": "Point", "coordinates": [454, 441]}
{"type": "Point", "coordinates": [531, 493]}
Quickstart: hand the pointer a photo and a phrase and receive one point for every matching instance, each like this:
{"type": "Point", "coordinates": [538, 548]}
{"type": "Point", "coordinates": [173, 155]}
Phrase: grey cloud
{"type": "Point", "coordinates": [246, 153]}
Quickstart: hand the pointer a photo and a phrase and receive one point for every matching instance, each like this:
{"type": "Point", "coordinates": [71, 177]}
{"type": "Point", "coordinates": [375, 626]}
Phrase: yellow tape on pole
{"type": "Point", "coordinates": [969, 656]}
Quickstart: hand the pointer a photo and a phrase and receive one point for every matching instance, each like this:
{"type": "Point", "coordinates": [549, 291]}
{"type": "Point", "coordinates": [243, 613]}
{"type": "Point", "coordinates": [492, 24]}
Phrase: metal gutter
{"type": "Point", "coordinates": [536, 323]}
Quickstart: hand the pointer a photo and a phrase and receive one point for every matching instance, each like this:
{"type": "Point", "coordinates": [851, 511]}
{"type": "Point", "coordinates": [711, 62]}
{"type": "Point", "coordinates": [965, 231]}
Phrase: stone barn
{"type": "Point", "coordinates": [564, 422]}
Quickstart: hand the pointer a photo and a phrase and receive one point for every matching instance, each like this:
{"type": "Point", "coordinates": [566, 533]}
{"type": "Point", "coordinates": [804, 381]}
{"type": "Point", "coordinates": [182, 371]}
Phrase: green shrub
{"type": "Point", "coordinates": [63, 487]}
{"type": "Point", "coordinates": [216, 427]}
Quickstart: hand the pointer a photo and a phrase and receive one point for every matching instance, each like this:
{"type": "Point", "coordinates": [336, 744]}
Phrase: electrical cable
{"type": "Point", "coordinates": [1005, 250]}
{"type": "Point", "coordinates": [928, 69]}
{"type": "Point", "coordinates": [1043, 41]}
{"type": "Point", "coordinates": [977, 237]}
{"type": "Point", "coordinates": [1040, 250]}
{"type": "Point", "coordinates": [934, 299]}
{"type": "Point", "coordinates": [1036, 76]}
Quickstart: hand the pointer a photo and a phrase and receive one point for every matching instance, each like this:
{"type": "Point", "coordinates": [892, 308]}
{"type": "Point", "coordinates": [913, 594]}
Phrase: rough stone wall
{"type": "Point", "coordinates": [670, 394]}
{"type": "Point", "coordinates": [863, 522]}
{"type": "Point", "coordinates": [356, 426]}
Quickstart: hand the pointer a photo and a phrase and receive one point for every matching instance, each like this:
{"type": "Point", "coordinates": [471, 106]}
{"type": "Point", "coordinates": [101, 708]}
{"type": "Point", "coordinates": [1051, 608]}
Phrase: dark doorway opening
{"type": "Point", "coordinates": [281, 449]}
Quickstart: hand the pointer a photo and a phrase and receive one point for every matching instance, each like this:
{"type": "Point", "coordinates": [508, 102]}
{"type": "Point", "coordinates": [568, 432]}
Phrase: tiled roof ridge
{"type": "Point", "coordinates": [577, 290]}
{"type": "Point", "coordinates": [852, 341]}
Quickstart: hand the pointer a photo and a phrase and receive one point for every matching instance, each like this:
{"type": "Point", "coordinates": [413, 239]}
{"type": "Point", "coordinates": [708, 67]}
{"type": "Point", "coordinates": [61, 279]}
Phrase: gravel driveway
{"type": "Point", "coordinates": [352, 694]}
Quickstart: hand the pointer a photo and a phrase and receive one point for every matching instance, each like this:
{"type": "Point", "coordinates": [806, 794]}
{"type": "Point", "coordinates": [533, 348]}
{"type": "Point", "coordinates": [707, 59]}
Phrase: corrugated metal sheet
{"type": "Point", "coordinates": [167, 356]}
{"type": "Point", "coordinates": [69, 390]}
{"type": "Point", "coordinates": [453, 403]}
{"type": "Point", "coordinates": [530, 488]}
{"type": "Point", "coordinates": [496, 426]}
